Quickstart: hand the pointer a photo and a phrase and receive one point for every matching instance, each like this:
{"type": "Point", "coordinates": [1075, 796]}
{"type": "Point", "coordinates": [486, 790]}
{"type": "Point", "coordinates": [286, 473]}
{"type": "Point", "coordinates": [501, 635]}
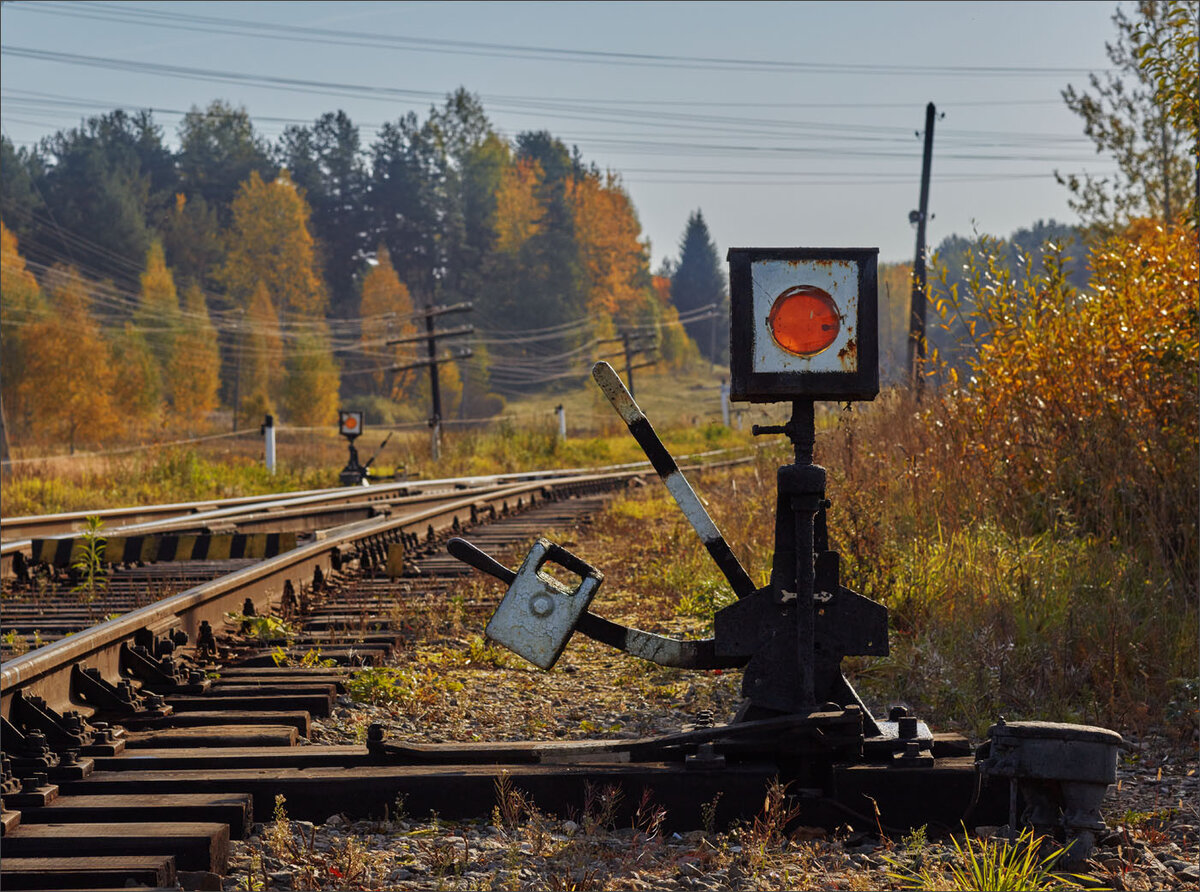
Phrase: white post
{"type": "Point", "coordinates": [268, 430]}
{"type": "Point", "coordinates": [435, 448]}
{"type": "Point", "coordinates": [562, 421]}
{"type": "Point", "coordinates": [725, 402]}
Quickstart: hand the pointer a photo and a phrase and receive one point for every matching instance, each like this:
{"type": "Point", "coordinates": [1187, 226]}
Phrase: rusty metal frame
{"type": "Point", "coordinates": [771, 387]}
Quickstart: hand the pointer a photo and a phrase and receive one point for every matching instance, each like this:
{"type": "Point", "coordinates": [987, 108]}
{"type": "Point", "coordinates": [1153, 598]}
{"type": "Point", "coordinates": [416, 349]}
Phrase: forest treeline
{"type": "Point", "coordinates": [145, 286]}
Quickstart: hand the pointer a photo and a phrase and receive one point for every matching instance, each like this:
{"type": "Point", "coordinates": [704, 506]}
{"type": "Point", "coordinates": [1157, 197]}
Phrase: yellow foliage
{"type": "Point", "coordinates": [193, 376]}
{"type": "Point", "coordinates": [259, 359]}
{"type": "Point", "coordinates": [157, 314]}
{"type": "Point", "coordinates": [608, 233]}
{"type": "Point", "coordinates": [21, 303]}
{"type": "Point", "coordinates": [382, 294]}
{"type": "Point", "coordinates": [517, 208]}
{"type": "Point", "coordinates": [269, 243]}
{"type": "Point", "coordinates": [68, 381]}
{"type": "Point", "coordinates": [1085, 405]}
{"type": "Point", "coordinates": [310, 388]}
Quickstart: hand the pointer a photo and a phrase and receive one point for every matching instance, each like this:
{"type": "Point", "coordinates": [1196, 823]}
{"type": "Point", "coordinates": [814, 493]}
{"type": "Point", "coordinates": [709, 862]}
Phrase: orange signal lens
{"type": "Point", "coordinates": [804, 320]}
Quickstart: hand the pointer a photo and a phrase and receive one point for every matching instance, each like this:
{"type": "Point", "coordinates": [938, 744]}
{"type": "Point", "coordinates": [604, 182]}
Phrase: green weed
{"type": "Point", "coordinates": [989, 866]}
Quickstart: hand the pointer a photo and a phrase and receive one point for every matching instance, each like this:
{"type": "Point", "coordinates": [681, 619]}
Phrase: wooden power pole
{"type": "Point", "coordinates": [916, 328]}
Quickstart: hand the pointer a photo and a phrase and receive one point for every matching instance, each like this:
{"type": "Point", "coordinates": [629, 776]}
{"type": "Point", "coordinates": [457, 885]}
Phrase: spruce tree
{"type": "Point", "coordinates": [699, 282]}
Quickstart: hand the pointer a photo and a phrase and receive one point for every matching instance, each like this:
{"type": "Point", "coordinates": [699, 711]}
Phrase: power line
{"type": "Point", "coordinates": [146, 16]}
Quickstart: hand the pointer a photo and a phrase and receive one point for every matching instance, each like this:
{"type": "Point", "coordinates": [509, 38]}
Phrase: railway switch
{"type": "Point", "coordinates": [803, 329]}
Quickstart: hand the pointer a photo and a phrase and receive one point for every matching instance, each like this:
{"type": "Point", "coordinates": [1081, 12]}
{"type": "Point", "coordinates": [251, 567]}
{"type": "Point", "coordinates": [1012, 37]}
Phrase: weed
{"type": "Point", "coordinates": [600, 805]}
{"type": "Point", "coordinates": [916, 839]}
{"type": "Point", "coordinates": [89, 563]}
{"type": "Point", "coordinates": [311, 659]}
{"type": "Point", "coordinates": [708, 813]}
{"type": "Point", "coordinates": [769, 828]}
{"type": "Point", "coordinates": [15, 643]}
{"type": "Point", "coordinates": [481, 652]}
{"type": "Point", "coordinates": [264, 628]}
{"type": "Point", "coordinates": [993, 865]}
{"type": "Point", "coordinates": [649, 816]}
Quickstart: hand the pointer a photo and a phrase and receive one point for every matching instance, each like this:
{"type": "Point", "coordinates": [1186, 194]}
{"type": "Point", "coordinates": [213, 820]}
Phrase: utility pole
{"type": "Point", "coordinates": [431, 337]}
{"type": "Point", "coordinates": [916, 329]}
{"type": "Point", "coordinates": [5, 457]}
{"type": "Point", "coordinates": [631, 343]}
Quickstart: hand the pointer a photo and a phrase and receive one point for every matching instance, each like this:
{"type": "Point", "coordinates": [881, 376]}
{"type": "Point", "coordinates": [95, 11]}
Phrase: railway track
{"type": "Point", "coordinates": [135, 749]}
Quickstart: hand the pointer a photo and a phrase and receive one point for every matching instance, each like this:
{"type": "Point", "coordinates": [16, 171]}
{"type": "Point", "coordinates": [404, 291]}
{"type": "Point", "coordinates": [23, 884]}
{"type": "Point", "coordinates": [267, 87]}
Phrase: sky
{"type": "Point", "coordinates": [786, 124]}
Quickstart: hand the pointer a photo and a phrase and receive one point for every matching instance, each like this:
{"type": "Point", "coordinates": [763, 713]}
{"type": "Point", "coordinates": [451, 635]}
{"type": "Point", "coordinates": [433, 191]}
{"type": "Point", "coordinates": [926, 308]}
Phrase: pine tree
{"type": "Point", "coordinates": [700, 282]}
{"type": "Point", "coordinates": [193, 377]}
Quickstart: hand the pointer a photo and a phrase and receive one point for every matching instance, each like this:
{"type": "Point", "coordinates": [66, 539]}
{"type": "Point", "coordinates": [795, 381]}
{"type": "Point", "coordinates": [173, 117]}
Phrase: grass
{"type": "Point", "coordinates": [520, 440]}
{"type": "Point", "coordinates": [990, 866]}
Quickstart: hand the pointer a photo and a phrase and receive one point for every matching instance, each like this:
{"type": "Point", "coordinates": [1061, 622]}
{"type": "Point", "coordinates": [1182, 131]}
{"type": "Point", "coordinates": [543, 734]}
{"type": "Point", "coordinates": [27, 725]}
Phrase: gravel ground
{"type": "Point", "coordinates": [451, 687]}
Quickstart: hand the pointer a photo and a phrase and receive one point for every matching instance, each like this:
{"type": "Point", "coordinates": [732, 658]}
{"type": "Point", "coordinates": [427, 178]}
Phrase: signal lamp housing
{"type": "Point", "coordinates": [804, 324]}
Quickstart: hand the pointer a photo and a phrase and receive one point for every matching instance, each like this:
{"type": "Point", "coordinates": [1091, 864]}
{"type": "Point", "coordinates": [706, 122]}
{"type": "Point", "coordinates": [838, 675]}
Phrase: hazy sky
{"type": "Point", "coordinates": [789, 124]}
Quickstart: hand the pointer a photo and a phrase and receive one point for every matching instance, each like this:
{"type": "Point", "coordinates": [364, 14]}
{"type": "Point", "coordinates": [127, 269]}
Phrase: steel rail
{"type": "Point", "coordinates": [184, 515]}
{"type": "Point", "coordinates": [46, 670]}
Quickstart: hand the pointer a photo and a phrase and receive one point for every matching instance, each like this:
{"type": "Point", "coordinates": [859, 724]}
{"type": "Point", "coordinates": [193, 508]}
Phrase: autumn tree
{"type": "Point", "coordinates": [258, 361]}
{"type": "Point", "coordinates": [137, 389]}
{"type": "Point", "coordinates": [386, 314]}
{"type": "Point", "coordinates": [269, 243]}
{"type": "Point", "coordinates": [191, 236]}
{"type": "Point", "coordinates": [157, 313]}
{"type": "Point", "coordinates": [193, 375]}
{"type": "Point", "coordinates": [616, 263]}
{"type": "Point", "coordinates": [700, 282]}
{"type": "Point", "coordinates": [21, 305]}
{"type": "Point", "coordinates": [1130, 118]}
{"type": "Point", "coordinates": [310, 387]}
{"type": "Point", "coordinates": [69, 379]}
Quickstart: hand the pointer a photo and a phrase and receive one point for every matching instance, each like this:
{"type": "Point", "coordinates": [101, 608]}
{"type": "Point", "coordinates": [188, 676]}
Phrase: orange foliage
{"type": "Point", "coordinates": [607, 230]}
{"type": "Point", "coordinates": [195, 363]}
{"type": "Point", "coordinates": [21, 303]}
{"type": "Point", "coordinates": [662, 289]}
{"type": "Point", "coordinates": [69, 379]}
{"type": "Point", "coordinates": [382, 294]}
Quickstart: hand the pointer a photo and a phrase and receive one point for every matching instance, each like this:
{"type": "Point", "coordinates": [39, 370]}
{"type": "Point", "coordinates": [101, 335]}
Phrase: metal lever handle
{"type": "Point", "coordinates": [685, 497]}
{"type": "Point", "coordinates": [696, 654]}
{"type": "Point", "coordinates": [480, 560]}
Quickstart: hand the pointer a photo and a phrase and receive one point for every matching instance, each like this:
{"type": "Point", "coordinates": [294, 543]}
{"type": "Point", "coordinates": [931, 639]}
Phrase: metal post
{"type": "Point", "coordinates": [562, 421]}
{"type": "Point", "coordinates": [268, 430]}
{"type": "Point", "coordinates": [625, 339]}
{"type": "Point", "coordinates": [916, 332]}
{"type": "Point", "coordinates": [806, 501]}
{"type": "Point", "coordinates": [435, 422]}
{"type": "Point", "coordinates": [712, 335]}
{"type": "Point", "coordinates": [725, 402]}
